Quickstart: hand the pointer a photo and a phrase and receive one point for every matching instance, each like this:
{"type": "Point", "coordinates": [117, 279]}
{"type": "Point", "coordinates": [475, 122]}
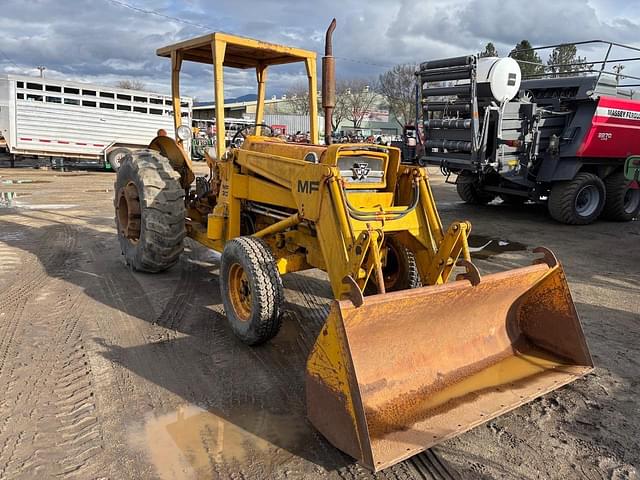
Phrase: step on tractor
{"type": "Point", "coordinates": [555, 138]}
{"type": "Point", "coordinates": [405, 358]}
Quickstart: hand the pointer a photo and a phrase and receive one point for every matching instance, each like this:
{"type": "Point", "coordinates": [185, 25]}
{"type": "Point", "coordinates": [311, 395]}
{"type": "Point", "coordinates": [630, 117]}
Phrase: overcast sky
{"type": "Point", "coordinates": [105, 41]}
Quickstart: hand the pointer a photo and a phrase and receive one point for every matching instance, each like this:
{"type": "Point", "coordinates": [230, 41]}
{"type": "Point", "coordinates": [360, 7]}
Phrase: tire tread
{"type": "Point", "coordinates": [163, 211]}
{"type": "Point", "coordinates": [267, 288]}
{"type": "Point", "coordinates": [616, 187]}
{"type": "Point", "coordinates": [561, 203]}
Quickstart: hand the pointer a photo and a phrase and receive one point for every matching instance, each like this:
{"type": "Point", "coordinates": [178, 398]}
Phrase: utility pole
{"type": "Point", "coordinates": [618, 69]}
{"type": "Point", "coordinates": [42, 68]}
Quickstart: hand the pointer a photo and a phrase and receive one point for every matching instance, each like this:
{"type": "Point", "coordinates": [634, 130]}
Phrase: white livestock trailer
{"type": "Point", "coordinates": [61, 119]}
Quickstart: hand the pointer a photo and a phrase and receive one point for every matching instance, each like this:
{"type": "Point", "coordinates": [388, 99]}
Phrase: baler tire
{"type": "Point", "coordinates": [257, 319]}
{"type": "Point", "coordinates": [408, 276]}
{"type": "Point", "coordinates": [563, 199]}
{"type": "Point", "coordinates": [150, 212]}
{"type": "Point", "coordinates": [622, 203]}
{"type": "Point", "coordinates": [471, 194]}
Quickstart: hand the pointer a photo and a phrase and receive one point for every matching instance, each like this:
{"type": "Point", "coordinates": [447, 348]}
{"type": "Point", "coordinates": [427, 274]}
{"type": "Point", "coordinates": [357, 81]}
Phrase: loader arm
{"type": "Point", "coordinates": [350, 223]}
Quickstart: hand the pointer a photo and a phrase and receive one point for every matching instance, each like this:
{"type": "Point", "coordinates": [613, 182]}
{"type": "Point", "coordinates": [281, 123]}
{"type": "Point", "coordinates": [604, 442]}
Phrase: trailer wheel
{"type": "Point", "coordinates": [470, 192]}
{"type": "Point", "coordinates": [150, 212]}
{"type": "Point", "coordinates": [251, 289]}
{"type": "Point", "coordinates": [400, 271]}
{"type": "Point", "coordinates": [622, 202]}
{"type": "Point", "coordinates": [116, 156]}
{"type": "Point", "coordinates": [579, 201]}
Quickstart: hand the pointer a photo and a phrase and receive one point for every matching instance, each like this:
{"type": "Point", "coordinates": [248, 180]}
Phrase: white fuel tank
{"type": "Point", "coordinates": [498, 78]}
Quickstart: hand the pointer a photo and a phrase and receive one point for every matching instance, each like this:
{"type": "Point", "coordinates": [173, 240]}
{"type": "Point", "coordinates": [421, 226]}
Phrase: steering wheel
{"type": "Point", "coordinates": [244, 132]}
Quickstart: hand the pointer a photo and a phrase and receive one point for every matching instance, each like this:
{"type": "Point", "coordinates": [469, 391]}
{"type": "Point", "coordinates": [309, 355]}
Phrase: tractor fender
{"type": "Point", "coordinates": [177, 157]}
{"type": "Point", "coordinates": [562, 169]}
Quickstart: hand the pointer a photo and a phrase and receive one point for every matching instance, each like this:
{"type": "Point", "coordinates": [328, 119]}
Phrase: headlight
{"type": "Point", "coordinates": [183, 132]}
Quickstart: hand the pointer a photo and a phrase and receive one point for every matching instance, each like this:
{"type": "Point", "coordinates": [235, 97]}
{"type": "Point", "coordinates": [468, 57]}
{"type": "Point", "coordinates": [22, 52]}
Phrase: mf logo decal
{"type": "Point", "coordinates": [604, 136]}
{"type": "Point", "coordinates": [360, 171]}
{"type": "Point", "coordinates": [308, 186]}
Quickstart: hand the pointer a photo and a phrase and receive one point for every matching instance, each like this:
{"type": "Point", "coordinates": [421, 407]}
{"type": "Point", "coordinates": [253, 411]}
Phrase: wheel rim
{"type": "Point", "coordinates": [240, 292]}
{"type": "Point", "coordinates": [129, 212]}
{"type": "Point", "coordinates": [631, 200]}
{"type": "Point", "coordinates": [587, 200]}
{"type": "Point", "coordinates": [117, 158]}
{"type": "Point", "coordinates": [392, 269]}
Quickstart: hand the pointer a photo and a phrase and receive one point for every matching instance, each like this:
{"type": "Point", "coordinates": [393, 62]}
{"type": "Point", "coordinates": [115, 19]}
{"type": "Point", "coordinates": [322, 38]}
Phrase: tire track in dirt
{"type": "Point", "coordinates": [53, 408]}
{"type": "Point", "coordinates": [58, 246]}
{"type": "Point", "coordinates": [181, 299]}
{"type": "Point", "coordinates": [428, 465]}
{"type": "Point", "coordinates": [53, 427]}
{"type": "Point", "coordinates": [121, 324]}
{"type": "Point", "coordinates": [118, 288]}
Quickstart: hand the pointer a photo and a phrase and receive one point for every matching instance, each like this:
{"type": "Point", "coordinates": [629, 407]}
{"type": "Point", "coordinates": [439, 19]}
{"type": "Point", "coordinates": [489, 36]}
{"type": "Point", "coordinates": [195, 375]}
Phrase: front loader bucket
{"type": "Point", "coordinates": [409, 369]}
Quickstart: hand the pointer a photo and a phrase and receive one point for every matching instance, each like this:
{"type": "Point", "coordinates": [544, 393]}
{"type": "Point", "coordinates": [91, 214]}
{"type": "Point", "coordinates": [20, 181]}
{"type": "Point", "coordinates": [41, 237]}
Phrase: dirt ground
{"type": "Point", "coordinates": [108, 373]}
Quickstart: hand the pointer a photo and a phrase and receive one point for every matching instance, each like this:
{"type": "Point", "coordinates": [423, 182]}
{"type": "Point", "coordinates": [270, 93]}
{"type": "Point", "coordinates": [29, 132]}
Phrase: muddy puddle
{"type": "Point", "coordinates": [483, 247]}
{"type": "Point", "coordinates": [195, 443]}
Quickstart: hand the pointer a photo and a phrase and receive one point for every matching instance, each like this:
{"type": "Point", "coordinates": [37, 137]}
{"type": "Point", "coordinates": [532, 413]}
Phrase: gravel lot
{"type": "Point", "coordinates": [108, 373]}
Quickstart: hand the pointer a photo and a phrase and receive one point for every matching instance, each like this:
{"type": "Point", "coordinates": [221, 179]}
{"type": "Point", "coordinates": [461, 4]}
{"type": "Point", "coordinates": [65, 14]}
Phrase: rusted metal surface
{"type": "Point", "coordinates": [328, 82]}
{"type": "Point", "coordinates": [128, 212]}
{"type": "Point", "coordinates": [472, 273]}
{"type": "Point", "coordinates": [410, 369]}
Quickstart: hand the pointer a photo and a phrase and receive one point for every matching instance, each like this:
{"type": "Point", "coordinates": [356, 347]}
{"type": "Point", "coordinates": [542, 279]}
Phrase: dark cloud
{"type": "Point", "coordinates": [102, 41]}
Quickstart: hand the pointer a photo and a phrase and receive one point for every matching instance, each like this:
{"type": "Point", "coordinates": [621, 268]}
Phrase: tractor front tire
{"type": "Point", "coordinates": [400, 271]}
{"type": "Point", "coordinates": [622, 202]}
{"type": "Point", "coordinates": [579, 201]}
{"type": "Point", "coordinates": [251, 289]}
{"type": "Point", "coordinates": [470, 192]}
{"type": "Point", "coordinates": [150, 211]}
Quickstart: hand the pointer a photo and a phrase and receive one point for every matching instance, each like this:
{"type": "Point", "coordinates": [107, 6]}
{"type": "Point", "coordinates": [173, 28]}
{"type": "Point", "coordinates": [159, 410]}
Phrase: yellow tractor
{"type": "Point", "coordinates": [405, 359]}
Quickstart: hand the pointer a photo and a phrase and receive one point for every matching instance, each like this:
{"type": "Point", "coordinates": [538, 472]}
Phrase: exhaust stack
{"type": "Point", "coordinates": [328, 82]}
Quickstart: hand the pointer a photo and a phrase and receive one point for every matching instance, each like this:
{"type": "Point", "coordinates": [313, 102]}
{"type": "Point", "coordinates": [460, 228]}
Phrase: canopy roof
{"type": "Point", "coordinates": [240, 52]}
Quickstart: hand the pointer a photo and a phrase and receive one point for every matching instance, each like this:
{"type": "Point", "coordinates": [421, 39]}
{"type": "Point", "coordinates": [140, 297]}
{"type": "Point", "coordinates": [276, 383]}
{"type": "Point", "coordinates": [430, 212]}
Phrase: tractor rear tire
{"type": "Point", "coordinates": [470, 193]}
{"type": "Point", "coordinates": [251, 289]}
{"type": "Point", "coordinates": [622, 202]}
{"type": "Point", "coordinates": [579, 201]}
{"type": "Point", "coordinates": [400, 272]}
{"type": "Point", "coordinates": [150, 211]}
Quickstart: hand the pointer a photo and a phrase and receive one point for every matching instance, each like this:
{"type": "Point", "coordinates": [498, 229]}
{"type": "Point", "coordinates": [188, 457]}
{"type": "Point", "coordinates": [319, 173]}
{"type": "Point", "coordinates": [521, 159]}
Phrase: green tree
{"type": "Point", "coordinates": [489, 51]}
{"type": "Point", "coordinates": [564, 60]}
{"type": "Point", "coordinates": [529, 60]}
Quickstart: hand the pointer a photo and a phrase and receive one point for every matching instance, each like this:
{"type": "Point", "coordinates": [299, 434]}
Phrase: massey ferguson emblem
{"type": "Point", "coordinates": [360, 171]}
